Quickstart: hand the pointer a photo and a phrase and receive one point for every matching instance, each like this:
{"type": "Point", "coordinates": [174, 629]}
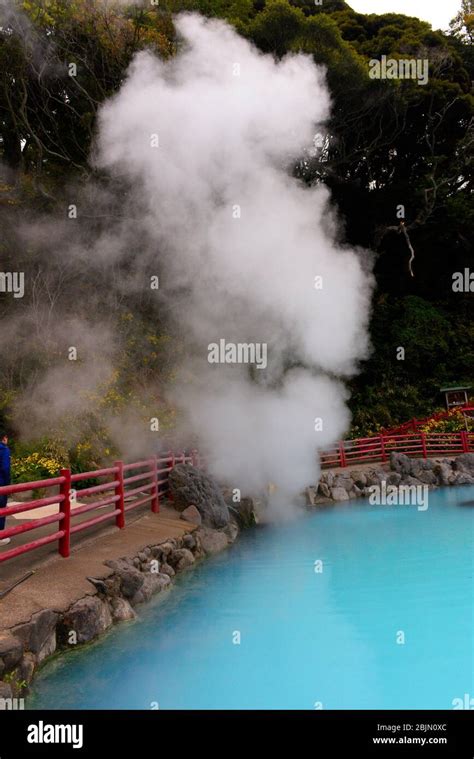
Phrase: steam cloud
{"type": "Point", "coordinates": [207, 141]}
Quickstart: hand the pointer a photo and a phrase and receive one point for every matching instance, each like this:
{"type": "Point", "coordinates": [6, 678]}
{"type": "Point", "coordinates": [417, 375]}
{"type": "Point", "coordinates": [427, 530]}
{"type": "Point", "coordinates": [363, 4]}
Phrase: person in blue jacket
{"type": "Point", "coordinates": [5, 479]}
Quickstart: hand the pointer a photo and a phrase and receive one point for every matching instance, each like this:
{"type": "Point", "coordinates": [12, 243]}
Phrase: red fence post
{"type": "Point", "coordinates": [342, 454]}
{"type": "Point", "coordinates": [423, 444]}
{"type": "Point", "coordinates": [465, 441]}
{"type": "Point", "coordinates": [382, 448]}
{"type": "Point", "coordinates": [413, 425]}
{"type": "Point", "coordinates": [155, 501]}
{"type": "Point", "coordinates": [65, 508]}
{"type": "Point", "coordinates": [120, 491]}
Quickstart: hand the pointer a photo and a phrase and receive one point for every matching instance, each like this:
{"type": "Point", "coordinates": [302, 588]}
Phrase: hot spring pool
{"type": "Point", "coordinates": [306, 638]}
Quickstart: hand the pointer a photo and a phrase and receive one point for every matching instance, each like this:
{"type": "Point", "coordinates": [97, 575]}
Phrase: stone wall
{"type": "Point", "coordinates": [344, 485]}
{"type": "Point", "coordinates": [134, 580]}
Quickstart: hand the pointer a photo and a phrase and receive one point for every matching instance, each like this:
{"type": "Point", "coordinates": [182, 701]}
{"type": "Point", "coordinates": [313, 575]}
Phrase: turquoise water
{"type": "Point", "coordinates": [327, 638]}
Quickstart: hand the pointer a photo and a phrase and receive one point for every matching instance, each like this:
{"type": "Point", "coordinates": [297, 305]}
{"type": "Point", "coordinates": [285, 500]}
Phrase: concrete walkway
{"type": "Point", "coordinates": [58, 582]}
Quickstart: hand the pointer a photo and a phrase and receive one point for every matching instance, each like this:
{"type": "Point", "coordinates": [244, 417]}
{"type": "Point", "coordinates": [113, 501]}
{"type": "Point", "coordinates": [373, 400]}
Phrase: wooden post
{"type": "Point", "coordinates": [382, 448]}
{"type": "Point", "coordinates": [172, 465]}
{"type": "Point", "coordinates": [342, 454]}
{"type": "Point", "coordinates": [155, 501]}
{"type": "Point", "coordinates": [423, 444]}
{"type": "Point", "coordinates": [120, 491]}
{"type": "Point", "coordinates": [464, 441]}
{"type": "Point", "coordinates": [65, 508]}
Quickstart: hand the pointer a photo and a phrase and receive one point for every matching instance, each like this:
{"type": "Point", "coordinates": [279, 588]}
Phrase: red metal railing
{"type": "Point", "coordinates": [149, 479]}
{"type": "Point", "coordinates": [118, 494]}
{"type": "Point", "coordinates": [372, 449]}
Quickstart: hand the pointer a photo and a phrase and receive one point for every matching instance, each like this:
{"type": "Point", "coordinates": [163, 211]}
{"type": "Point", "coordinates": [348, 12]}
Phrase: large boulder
{"type": "Point", "coordinates": [6, 691]}
{"type": "Point", "coordinates": [131, 579]}
{"type": "Point", "coordinates": [121, 610]}
{"type": "Point", "coordinates": [191, 514]}
{"type": "Point", "coordinates": [182, 558]}
{"type": "Point", "coordinates": [191, 486]}
{"type": "Point", "coordinates": [246, 513]}
{"type": "Point", "coordinates": [212, 541]}
{"type": "Point", "coordinates": [39, 634]}
{"type": "Point", "coordinates": [87, 618]}
{"type": "Point", "coordinates": [399, 462]}
{"type": "Point", "coordinates": [345, 482]}
{"type": "Point", "coordinates": [359, 478]}
{"type": "Point", "coordinates": [427, 477]}
{"type": "Point", "coordinates": [465, 463]}
{"type": "Point", "coordinates": [443, 470]}
{"type": "Point", "coordinates": [153, 583]}
{"type": "Point", "coordinates": [339, 494]}
{"type": "Point", "coordinates": [11, 651]}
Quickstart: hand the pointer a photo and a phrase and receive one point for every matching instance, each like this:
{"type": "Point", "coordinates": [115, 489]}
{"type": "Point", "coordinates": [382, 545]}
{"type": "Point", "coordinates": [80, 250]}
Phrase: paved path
{"type": "Point", "coordinates": [58, 582]}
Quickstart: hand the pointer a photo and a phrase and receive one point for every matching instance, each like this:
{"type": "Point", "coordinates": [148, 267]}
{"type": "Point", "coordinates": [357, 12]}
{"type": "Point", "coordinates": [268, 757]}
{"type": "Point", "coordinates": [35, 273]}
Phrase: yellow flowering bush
{"type": "Point", "coordinates": [455, 421]}
{"type": "Point", "coordinates": [35, 466]}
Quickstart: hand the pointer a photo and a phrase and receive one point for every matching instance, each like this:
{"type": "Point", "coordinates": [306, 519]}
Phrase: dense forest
{"type": "Point", "coordinates": [396, 156]}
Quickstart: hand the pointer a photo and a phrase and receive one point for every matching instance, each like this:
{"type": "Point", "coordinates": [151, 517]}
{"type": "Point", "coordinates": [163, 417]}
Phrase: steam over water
{"type": "Point", "coordinates": [246, 253]}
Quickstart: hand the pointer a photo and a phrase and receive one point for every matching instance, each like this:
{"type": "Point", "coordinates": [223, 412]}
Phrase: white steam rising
{"type": "Point", "coordinates": [208, 139]}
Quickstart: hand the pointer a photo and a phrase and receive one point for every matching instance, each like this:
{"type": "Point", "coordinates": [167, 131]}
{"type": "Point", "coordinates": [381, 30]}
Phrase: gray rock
{"type": "Point", "coordinates": [189, 485]}
{"type": "Point", "coordinates": [99, 585]}
{"type": "Point", "coordinates": [167, 569]}
{"type": "Point", "coordinates": [339, 494]}
{"type": "Point", "coordinates": [39, 634]}
{"type": "Point", "coordinates": [88, 618]}
{"type": "Point", "coordinates": [427, 477]}
{"type": "Point", "coordinates": [181, 559]}
{"type": "Point", "coordinates": [11, 651]}
{"type": "Point", "coordinates": [246, 513]}
{"type": "Point", "coordinates": [121, 610]}
{"type": "Point", "coordinates": [167, 548]}
{"type": "Point", "coordinates": [399, 462]}
{"type": "Point", "coordinates": [5, 690]}
{"type": "Point", "coordinates": [359, 478]}
{"type": "Point", "coordinates": [463, 479]}
{"type": "Point", "coordinates": [443, 472]}
{"type": "Point", "coordinates": [154, 583]}
{"type": "Point", "coordinates": [393, 478]}
{"type": "Point", "coordinates": [212, 541]}
{"type": "Point", "coordinates": [26, 668]}
{"type": "Point", "coordinates": [191, 514]}
{"type": "Point", "coordinates": [131, 581]}
{"type": "Point", "coordinates": [232, 531]}
{"type": "Point", "coordinates": [375, 477]}
{"type": "Point", "coordinates": [189, 541]}
{"type": "Point", "coordinates": [343, 482]}
{"type": "Point", "coordinates": [356, 492]}
{"type": "Point", "coordinates": [323, 490]}
{"type": "Point", "coordinates": [465, 462]}
{"type": "Point", "coordinates": [328, 478]}
{"type": "Point", "coordinates": [311, 493]}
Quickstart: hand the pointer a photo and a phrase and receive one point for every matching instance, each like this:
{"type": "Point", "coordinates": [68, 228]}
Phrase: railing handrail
{"type": "Point", "coordinates": [154, 486]}
{"type": "Point", "coordinates": [378, 448]}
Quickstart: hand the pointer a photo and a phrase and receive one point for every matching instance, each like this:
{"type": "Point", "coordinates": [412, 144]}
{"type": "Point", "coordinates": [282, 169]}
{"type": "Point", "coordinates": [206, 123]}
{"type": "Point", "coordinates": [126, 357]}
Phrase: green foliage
{"type": "Point", "coordinates": [389, 142]}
